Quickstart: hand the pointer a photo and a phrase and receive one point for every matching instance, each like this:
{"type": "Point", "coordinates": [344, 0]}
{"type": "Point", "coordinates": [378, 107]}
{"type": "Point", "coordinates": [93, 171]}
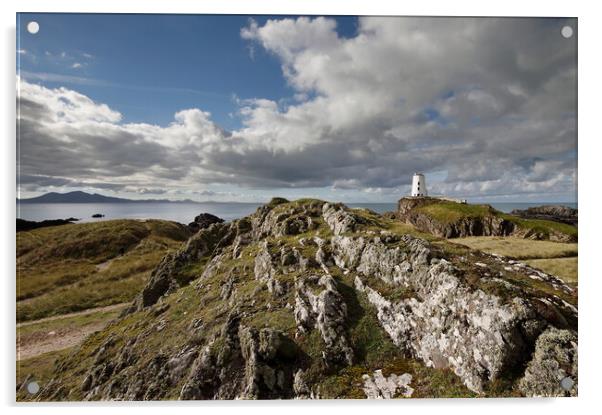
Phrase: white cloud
{"type": "Point", "coordinates": [490, 101]}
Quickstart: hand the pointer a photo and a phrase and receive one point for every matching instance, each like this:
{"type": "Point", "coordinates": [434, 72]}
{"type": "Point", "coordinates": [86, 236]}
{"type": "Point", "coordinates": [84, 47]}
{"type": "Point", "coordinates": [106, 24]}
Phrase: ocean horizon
{"type": "Point", "coordinates": [185, 212]}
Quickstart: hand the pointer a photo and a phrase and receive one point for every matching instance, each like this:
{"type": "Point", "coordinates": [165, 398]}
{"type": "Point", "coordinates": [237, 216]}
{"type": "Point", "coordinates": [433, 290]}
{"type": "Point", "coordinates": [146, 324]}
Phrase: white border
{"type": "Point", "coordinates": [590, 207]}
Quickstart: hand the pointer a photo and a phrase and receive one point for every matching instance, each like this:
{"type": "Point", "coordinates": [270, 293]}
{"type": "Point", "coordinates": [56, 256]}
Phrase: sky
{"type": "Point", "coordinates": [244, 108]}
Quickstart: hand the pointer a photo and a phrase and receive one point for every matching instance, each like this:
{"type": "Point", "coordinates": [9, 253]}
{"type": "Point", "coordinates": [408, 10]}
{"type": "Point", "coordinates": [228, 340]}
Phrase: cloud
{"type": "Point", "coordinates": [77, 65]}
{"type": "Point", "coordinates": [490, 101]}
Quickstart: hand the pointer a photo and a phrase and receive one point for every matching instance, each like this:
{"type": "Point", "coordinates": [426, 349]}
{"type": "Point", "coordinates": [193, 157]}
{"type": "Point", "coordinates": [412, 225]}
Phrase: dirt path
{"type": "Point", "coordinates": [33, 341]}
{"type": "Point", "coordinates": [77, 313]}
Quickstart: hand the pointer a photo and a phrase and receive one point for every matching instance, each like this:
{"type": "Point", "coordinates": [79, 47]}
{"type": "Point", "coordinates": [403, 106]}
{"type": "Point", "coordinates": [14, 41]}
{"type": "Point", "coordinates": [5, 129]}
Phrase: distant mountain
{"type": "Point", "coordinates": [83, 197]}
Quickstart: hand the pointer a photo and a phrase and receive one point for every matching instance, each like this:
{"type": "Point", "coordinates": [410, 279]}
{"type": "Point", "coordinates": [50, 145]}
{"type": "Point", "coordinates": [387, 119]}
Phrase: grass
{"type": "Point", "coordinates": [71, 268]}
{"type": "Point", "coordinates": [565, 268]}
{"type": "Point", "coordinates": [38, 369]}
{"type": "Point", "coordinates": [519, 248]}
{"type": "Point", "coordinates": [556, 258]}
{"type": "Point", "coordinates": [541, 226]}
{"type": "Point", "coordinates": [68, 322]}
{"type": "Point", "coordinates": [449, 212]}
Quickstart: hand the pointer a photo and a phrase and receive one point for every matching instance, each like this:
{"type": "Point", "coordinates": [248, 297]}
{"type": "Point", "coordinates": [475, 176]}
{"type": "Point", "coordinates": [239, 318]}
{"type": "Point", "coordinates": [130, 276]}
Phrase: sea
{"type": "Point", "coordinates": [185, 212]}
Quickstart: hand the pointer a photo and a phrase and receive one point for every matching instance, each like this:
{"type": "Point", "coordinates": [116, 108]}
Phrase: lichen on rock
{"type": "Point", "coordinates": [378, 386]}
{"type": "Point", "coordinates": [553, 366]}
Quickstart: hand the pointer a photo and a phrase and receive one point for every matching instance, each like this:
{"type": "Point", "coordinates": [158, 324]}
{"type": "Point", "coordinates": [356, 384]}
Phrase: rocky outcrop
{"type": "Point", "coordinates": [445, 323]}
{"type": "Point", "coordinates": [464, 220]}
{"type": "Point", "coordinates": [204, 220]}
{"type": "Point", "coordinates": [169, 276]}
{"type": "Point", "coordinates": [243, 363]}
{"type": "Point", "coordinates": [28, 225]}
{"type": "Point", "coordinates": [489, 225]}
{"type": "Point", "coordinates": [553, 369]}
{"type": "Point", "coordinates": [338, 217]}
{"type": "Point", "coordinates": [290, 302]}
{"type": "Point", "coordinates": [556, 213]}
{"type": "Point", "coordinates": [265, 271]}
{"type": "Point", "coordinates": [327, 311]}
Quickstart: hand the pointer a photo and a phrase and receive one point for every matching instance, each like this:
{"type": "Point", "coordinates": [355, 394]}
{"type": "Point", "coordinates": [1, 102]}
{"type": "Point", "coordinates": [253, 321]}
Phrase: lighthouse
{"type": "Point", "coordinates": [418, 185]}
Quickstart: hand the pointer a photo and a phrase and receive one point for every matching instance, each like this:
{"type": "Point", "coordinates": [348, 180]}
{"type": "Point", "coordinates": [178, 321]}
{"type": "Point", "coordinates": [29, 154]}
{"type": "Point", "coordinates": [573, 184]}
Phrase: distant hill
{"type": "Point", "coordinates": [83, 197]}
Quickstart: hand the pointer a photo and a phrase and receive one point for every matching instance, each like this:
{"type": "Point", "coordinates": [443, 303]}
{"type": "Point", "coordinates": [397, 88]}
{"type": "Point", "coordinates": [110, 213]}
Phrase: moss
{"type": "Point", "coordinates": [280, 319]}
{"type": "Point", "coordinates": [347, 384]}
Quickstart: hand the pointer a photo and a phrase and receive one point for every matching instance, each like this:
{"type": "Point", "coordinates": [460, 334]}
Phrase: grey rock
{"type": "Point", "coordinates": [327, 311]}
{"type": "Point", "coordinates": [554, 360]}
{"type": "Point", "coordinates": [378, 386]}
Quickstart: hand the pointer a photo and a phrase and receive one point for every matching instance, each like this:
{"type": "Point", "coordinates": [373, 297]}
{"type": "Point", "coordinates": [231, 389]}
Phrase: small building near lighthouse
{"type": "Point", "coordinates": [419, 185]}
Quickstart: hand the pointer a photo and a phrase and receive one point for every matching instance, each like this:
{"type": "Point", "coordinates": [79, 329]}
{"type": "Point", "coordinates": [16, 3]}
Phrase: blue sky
{"type": "Point", "coordinates": [341, 108]}
{"type": "Point", "coordinates": [149, 67]}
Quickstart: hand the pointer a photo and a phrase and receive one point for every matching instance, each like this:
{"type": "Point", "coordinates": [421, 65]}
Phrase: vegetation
{"type": "Point", "coordinates": [63, 269]}
{"type": "Point", "coordinates": [519, 248]}
{"type": "Point", "coordinates": [449, 212]}
{"type": "Point", "coordinates": [75, 321]}
{"type": "Point", "coordinates": [38, 369]}
{"type": "Point", "coordinates": [556, 258]}
{"type": "Point", "coordinates": [195, 315]}
{"type": "Point", "coordinates": [565, 268]}
{"type": "Point", "coordinates": [541, 226]}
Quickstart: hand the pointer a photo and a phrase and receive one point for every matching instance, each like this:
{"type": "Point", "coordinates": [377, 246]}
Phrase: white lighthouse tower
{"type": "Point", "coordinates": [418, 185]}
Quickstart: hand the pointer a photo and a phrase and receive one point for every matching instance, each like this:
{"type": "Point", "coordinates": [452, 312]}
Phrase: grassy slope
{"type": "Point", "coordinates": [449, 212]}
{"type": "Point", "coordinates": [555, 258]}
{"type": "Point", "coordinates": [565, 268]}
{"type": "Point", "coordinates": [38, 369]}
{"type": "Point", "coordinates": [519, 248]}
{"type": "Point", "coordinates": [64, 269]}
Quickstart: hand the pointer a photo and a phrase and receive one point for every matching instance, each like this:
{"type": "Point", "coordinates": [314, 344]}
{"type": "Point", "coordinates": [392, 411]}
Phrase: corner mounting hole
{"type": "Point", "coordinates": [33, 387]}
{"type": "Point", "coordinates": [566, 32]}
{"type": "Point", "coordinates": [567, 383]}
{"type": "Point", "coordinates": [33, 27]}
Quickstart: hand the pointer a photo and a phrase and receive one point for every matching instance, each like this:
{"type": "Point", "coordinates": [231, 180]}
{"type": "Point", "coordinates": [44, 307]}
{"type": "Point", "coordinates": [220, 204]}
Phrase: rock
{"type": "Point", "coordinates": [265, 270]}
{"type": "Point", "coordinates": [554, 364]}
{"type": "Point", "coordinates": [339, 219]}
{"type": "Point", "coordinates": [555, 213]}
{"type": "Point", "coordinates": [447, 324]}
{"type": "Point", "coordinates": [489, 222]}
{"type": "Point", "coordinates": [98, 215]}
{"type": "Point", "coordinates": [167, 276]}
{"type": "Point", "coordinates": [327, 311]}
{"type": "Point", "coordinates": [379, 387]}
{"type": "Point", "coordinates": [27, 225]}
{"type": "Point", "coordinates": [204, 220]}
{"type": "Point", "coordinates": [245, 364]}
{"type": "Point", "coordinates": [300, 387]}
